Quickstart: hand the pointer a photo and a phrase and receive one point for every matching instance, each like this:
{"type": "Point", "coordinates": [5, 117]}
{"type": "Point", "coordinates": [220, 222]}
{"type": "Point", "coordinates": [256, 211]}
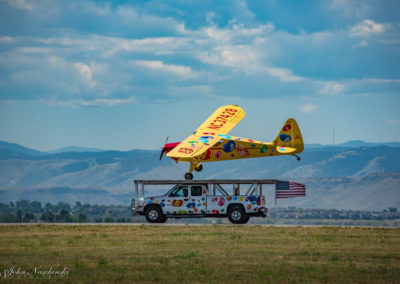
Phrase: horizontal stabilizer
{"type": "Point", "coordinates": [285, 150]}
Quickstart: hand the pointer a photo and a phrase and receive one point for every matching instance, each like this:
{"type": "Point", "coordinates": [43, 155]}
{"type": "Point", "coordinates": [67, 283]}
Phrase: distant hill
{"type": "Point", "coordinates": [75, 149]}
{"type": "Point", "coordinates": [19, 149]}
{"type": "Point", "coordinates": [24, 150]}
{"type": "Point", "coordinates": [364, 177]}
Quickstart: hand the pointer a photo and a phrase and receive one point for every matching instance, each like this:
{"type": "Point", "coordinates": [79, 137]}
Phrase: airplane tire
{"type": "Point", "coordinates": [237, 215]}
{"type": "Point", "coordinates": [298, 158]}
{"type": "Point", "coordinates": [199, 168]}
{"type": "Point", "coordinates": [188, 176]}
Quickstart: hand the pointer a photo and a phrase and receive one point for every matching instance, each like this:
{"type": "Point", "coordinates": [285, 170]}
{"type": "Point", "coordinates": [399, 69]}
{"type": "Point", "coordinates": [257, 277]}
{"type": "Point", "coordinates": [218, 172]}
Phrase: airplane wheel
{"type": "Point", "coordinates": [298, 158]}
{"type": "Point", "coordinates": [188, 176]}
{"type": "Point", "coordinates": [199, 168]}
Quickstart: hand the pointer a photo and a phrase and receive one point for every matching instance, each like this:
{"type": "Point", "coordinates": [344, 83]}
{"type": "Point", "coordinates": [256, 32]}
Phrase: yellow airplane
{"type": "Point", "coordinates": [210, 142]}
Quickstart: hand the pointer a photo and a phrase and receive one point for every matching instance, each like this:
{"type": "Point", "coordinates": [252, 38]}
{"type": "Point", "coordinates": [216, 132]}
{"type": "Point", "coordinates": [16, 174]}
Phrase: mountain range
{"type": "Point", "coordinates": [347, 177]}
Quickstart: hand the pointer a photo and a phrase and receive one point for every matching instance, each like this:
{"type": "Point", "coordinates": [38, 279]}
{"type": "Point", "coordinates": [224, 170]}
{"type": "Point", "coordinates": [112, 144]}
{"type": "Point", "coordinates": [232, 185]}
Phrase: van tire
{"type": "Point", "coordinates": [154, 214]}
{"type": "Point", "coordinates": [237, 215]}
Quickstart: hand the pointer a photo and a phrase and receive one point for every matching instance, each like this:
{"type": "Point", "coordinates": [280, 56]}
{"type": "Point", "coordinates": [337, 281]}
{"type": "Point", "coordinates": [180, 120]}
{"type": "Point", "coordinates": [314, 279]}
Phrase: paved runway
{"type": "Point", "coordinates": [190, 224]}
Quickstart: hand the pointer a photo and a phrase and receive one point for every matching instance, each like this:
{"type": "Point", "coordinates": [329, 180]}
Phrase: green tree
{"type": "Point", "coordinates": [47, 216]}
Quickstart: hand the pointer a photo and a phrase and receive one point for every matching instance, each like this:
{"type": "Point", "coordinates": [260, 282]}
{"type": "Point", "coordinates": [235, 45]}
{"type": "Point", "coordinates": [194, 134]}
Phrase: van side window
{"type": "Point", "coordinates": [196, 190]}
{"type": "Point", "coordinates": [180, 191]}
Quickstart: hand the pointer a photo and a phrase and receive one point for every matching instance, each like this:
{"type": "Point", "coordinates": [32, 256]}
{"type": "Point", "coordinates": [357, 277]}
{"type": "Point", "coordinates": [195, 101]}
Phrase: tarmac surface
{"type": "Point", "coordinates": [192, 225]}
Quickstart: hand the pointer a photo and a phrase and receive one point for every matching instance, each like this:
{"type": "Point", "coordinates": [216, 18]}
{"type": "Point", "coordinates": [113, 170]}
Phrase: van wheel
{"type": "Point", "coordinates": [154, 214]}
{"type": "Point", "coordinates": [237, 215]}
{"type": "Point", "coordinates": [245, 220]}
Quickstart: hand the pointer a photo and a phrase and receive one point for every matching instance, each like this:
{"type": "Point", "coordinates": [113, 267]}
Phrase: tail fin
{"type": "Point", "coordinates": [290, 136]}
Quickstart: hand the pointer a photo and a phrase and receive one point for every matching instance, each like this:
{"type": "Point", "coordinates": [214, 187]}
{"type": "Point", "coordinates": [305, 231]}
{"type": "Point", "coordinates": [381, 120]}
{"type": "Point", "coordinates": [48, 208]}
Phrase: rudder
{"type": "Point", "coordinates": [290, 136]}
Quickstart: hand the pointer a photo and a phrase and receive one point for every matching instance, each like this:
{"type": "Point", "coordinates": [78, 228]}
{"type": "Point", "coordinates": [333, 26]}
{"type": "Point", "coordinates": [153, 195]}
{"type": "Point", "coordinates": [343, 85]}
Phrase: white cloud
{"type": "Point", "coordinates": [393, 121]}
{"type": "Point", "coordinates": [331, 88]}
{"type": "Point", "coordinates": [383, 81]}
{"type": "Point", "coordinates": [102, 102]}
{"type": "Point", "coordinates": [363, 43]}
{"type": "Point", "coordinates": [366, 28]}
{"type": "Point", "coordinates": [20, 4]}
{"type": "Point", "coordinates": [285, 75]}
{"type": "Point", "coordinates": [239, 57]}
{"type": "Point", "coordinates": [351, 8]}
{"type": "Point", "coordinates": [6, 39]}
{"type": "Point", "coordinates": [86, 74]}
{"type": "Point", "coordinates": [308, 108]}
{"type": "Point", "coordinates": [179, 70]}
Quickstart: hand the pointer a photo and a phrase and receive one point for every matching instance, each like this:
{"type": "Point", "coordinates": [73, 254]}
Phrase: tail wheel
{"type": "Point", "coordinates": [237, 215]}
{"type": "Point", "coordinates": [188, 176]}
{"type": "Point", "coordinates": [199, 168]}
{"type": "Point", "coordinates": [154, 214]}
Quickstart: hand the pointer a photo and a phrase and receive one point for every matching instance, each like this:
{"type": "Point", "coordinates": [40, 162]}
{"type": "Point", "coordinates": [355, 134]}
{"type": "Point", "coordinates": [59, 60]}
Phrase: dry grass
{"type": "Point", "coordinates": [212, 254]}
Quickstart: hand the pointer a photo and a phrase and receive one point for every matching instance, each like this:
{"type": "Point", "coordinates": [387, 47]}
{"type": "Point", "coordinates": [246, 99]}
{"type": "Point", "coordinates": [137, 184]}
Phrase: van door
{"type": "Point", "coordinates": [197, 202]}
{"type": "Point", "coordinates": [177, 200]}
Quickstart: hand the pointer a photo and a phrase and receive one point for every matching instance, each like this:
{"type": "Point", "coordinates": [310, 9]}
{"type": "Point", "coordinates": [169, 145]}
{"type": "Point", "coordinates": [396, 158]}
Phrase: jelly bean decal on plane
{"type": "Point", "coordinates": [287, 127]}
{"type": "Point", "coordinates": [228, 147]}
{"type": "Point", "coordinates": [285, 138]}
{"type": "Point", "coordinates": [242, 151]}
{"type": "Point", "coordinates": [224, 136]}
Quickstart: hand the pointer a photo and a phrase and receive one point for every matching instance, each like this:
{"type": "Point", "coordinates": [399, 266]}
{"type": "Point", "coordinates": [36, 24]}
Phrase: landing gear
{"type": "Point", "coordinates": [199, 168]}
{"type": "Point", "coordinates": [188, 176]}
{"type": "Point", "coordinates": [298, 157]}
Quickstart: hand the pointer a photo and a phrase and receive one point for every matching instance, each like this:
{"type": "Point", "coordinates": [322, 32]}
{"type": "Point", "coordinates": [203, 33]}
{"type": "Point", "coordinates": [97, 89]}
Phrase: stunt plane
{"type": "Point", "coordinates": [210, 142]}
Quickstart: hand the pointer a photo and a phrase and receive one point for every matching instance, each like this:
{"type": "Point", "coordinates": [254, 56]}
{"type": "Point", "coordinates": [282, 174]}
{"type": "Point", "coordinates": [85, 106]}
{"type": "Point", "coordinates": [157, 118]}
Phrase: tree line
{"type": "Point", "coordinates": [25, 211]}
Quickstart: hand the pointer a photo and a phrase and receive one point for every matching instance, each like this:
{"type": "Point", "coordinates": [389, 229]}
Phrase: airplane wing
{"type": "Point", "coordinates": [209, 133]}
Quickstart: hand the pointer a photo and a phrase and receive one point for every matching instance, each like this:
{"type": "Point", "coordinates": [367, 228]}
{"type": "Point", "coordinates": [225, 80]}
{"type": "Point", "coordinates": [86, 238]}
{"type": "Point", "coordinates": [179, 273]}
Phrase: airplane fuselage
{"type": "Point", "coordinates": [231, 147]}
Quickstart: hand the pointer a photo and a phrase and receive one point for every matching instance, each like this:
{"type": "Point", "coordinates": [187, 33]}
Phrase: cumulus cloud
{"type": "Point", "coordinates": [86, 74]}
{"type": "Point", "coordinates": [331, 88]}
{"type": "Point", "coordinates": [102, 53]}
{"type": "Point", "coordinates": [283, 74]}
{"type": "Point", "coordinates": [367, 27]}
{"type": "Point", "coordinates": [178, 70]}
{"type": "Point", "coordinates": [308, 108]}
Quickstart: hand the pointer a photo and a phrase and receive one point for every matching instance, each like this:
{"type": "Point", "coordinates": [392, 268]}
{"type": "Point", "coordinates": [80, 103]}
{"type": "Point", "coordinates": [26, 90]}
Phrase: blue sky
{"type": "Point", "coordinates": [127, 74]}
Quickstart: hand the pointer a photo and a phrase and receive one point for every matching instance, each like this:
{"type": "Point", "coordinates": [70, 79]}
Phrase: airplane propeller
{"type": "Point", "coordinates": [162, 151]}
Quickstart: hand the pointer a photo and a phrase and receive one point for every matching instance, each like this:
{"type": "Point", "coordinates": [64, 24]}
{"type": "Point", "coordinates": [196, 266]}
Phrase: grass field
{"type": "Point", "coordinates": [213, 254]}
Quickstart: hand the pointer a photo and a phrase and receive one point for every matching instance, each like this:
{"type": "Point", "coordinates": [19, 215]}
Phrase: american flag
{"type": "Point", "coordinates": [285, 189]}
